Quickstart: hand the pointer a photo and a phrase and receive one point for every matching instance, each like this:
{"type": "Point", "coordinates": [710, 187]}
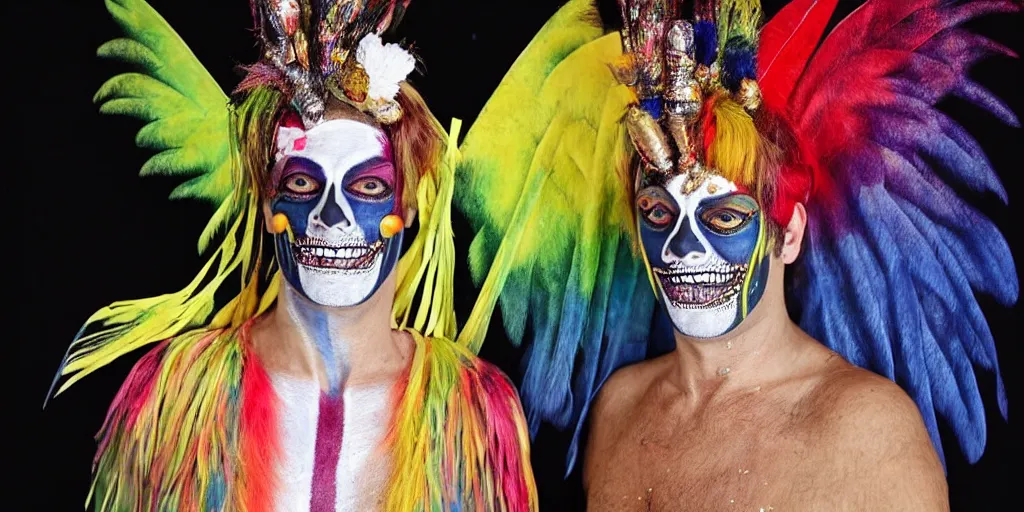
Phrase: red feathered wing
{"type": "Point", "coordinates": [786, 43]}
{"type": "Point", "coordinates": [894, 255]}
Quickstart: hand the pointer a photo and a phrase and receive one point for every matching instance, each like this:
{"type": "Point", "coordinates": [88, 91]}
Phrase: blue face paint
{"type": "Point", "coordinates": [335, 188]}
{"type": "Point", "coordinates": [706, 250]}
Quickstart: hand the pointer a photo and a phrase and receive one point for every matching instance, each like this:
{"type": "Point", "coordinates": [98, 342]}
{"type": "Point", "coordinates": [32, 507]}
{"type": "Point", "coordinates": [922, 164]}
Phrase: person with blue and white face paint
{"type": "Point", "coordinates": [701, 249]}
{"type": "Point", "coordinates": [323, 375]}
{"type": "Point", "coordinates": [736, 253]}
{"type": "Point", "coordinates": [335, 184]}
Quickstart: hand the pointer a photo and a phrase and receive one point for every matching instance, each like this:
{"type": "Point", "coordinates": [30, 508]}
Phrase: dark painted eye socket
{"type": "Point", "coordinates": [300, 184]}
{"type": "Point", "coordinates": [655, 211]}
{"type": "Point", "coordinates": [370, 187]}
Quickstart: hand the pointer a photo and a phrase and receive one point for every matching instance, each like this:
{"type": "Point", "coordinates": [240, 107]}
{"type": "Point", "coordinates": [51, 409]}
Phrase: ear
{"type": "Point", "coordinates": [794, 234]}
{"type": "Point", "coordinates": [410, 216]}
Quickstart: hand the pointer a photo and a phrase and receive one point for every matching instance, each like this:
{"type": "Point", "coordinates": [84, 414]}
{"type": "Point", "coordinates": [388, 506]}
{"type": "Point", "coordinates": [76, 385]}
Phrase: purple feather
{"type": "Point", "coordinates": [263, 73]}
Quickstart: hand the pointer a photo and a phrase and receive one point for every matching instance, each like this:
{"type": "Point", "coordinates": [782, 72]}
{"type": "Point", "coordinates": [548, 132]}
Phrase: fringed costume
{"type": "Point", "coordinates": [196, 424]}
{"type": "Point", "coordinates": [893, 255]}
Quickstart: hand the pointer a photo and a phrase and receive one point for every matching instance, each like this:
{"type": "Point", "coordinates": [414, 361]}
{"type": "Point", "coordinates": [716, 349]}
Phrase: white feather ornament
{"type": "Point", "coordinates": [386, 66]}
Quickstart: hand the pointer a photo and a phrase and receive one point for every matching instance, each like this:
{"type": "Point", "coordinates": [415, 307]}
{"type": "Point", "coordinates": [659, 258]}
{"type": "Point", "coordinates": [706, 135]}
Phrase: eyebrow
{"type": "Point", "coordinates": [717, 200]}
{"type": "Point", "coordinates": [660, 193]}
{"type": "Point", "coordinates": [370, 163]}
{"type": "Point", "coordinates": [298, 163]}
{"type": "Point", "coordinates": [652, 180]}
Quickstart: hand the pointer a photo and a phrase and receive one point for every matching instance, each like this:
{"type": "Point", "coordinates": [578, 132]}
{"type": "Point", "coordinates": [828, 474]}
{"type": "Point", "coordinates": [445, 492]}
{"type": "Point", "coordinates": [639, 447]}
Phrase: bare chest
{"type": "Point", "coordinates": [755, 460]}
{"type": "Point", "coordinates": [332, 449]}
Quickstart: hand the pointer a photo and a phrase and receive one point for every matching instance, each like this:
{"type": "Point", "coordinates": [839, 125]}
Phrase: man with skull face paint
{"type": "Point", "coordinates": [317, 387]}
{"type": "Point", "coordinates": [748, 410]}
{"type": "Point", "coordinates": [705, 246]}
{"type": "Point", "coordinates": [699, 157]}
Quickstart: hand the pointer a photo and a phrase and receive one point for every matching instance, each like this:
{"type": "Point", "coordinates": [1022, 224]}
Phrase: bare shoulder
{"type": "Point", "coordinates": [624, 388]}
{"type": "Point", "coordinates": [616, 404]}
{"type": "Point", "coordinates": [855, 405]}
{"type": "Point", "coordinates": [877, 439]}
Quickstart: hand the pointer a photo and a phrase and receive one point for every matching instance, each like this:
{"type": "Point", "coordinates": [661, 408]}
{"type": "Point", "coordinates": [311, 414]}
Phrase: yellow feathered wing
{"type": "Point", "coordinates": [539, 184]}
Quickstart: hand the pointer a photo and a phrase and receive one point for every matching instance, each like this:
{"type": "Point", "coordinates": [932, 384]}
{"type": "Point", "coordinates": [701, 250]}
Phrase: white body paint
{"type": "Point", "coordinates": [337, 146]}
{"type": "Point", "coordinates": [704, 322]}
{"type": "Point", "coordinates": [363, 466]}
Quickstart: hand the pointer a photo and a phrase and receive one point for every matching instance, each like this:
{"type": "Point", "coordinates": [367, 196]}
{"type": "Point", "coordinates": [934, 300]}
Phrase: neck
{"type": "Point", "coordinates": [338, 346]}
{"type": "Point", "coordinates": [765, 347]}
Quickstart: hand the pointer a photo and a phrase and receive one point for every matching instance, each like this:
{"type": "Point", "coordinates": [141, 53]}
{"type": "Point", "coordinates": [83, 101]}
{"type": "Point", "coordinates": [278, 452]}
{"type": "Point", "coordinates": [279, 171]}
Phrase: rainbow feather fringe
{"type": "Point", "coordinates": [458, 438]}
{"type": "Point", "coordinates": [157, 452]}
{"type": "Point", "coordinates": [459, 441]}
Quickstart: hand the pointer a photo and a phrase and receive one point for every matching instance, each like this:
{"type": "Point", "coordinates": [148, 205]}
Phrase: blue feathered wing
{"type": "Point", "coordinates": [894, 255]}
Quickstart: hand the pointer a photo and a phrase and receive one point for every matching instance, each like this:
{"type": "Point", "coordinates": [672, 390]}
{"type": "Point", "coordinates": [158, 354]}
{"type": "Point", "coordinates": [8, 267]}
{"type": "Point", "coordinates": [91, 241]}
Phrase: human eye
{"type": "Point", "coordinates": [730, 215]}
{"type": "Point", "coordinates": [656, 212]}
{"type": "Point", "coordinates": [370, 187]}
{"type": "Point", "coordinates": [299, 184]}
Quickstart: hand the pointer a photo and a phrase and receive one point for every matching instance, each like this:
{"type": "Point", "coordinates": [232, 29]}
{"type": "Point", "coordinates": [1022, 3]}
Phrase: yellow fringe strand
{"type": "Point", "coordinates": [430, 259]}
{"type": "Point", "coordinates": [129, 325]}
{"type": "Point", "coordinates": [755, 261]}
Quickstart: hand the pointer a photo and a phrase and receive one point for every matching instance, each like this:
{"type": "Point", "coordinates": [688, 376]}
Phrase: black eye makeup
{"type": "Point", "coordinates": [728, 215]}
{"type": "Point", "coordinates": [656, 207]}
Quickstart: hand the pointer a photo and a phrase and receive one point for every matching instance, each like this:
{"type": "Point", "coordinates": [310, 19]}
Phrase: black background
{"type": "Point", "coordinates": [89, 231]}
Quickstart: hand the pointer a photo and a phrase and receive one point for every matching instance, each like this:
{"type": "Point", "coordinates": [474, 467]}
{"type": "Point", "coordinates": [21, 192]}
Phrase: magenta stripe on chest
{"type": "Point", "coordinates": [329, 427]}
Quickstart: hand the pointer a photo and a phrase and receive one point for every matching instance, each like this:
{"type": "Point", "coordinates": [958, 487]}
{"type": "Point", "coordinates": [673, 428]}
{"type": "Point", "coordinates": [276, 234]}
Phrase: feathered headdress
{"type": "Point", "coordinates": [846, 124]}
{"type": "Point", "coordinates": [313, 49]}
{"type": "Point", "coordinates": [674, 68]}
{"type": "Point", "coordinates": [321, 47]}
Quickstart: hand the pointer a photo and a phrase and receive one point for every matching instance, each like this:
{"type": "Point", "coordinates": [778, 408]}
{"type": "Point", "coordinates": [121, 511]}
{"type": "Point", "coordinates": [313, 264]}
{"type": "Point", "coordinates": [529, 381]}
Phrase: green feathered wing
{"type": "Point", "coordinates": [188, 124]}
{"type": "Point", "coordinates": [539, 184]}
{"type": "Point", "coordinates": [185, 110]}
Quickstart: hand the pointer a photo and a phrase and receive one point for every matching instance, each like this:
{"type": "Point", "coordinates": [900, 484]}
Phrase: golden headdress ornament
{"type": "Point", "coordinates": [674, 67]}
{"type": "Point", "coordinates": [334, 47]}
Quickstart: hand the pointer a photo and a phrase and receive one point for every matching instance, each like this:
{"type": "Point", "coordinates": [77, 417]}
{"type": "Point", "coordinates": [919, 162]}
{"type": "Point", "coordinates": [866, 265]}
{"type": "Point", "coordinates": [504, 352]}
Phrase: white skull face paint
{"type": "Point", "coordinates": [335, 183]}
{"type": "Point", "coordinates": [700, 247]}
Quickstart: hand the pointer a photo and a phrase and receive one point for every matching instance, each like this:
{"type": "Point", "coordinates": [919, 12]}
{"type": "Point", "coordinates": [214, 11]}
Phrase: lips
{"type": "Point", "coordinates": [321, 254]}
{"type": "Point", "coordinates": [701, 288]}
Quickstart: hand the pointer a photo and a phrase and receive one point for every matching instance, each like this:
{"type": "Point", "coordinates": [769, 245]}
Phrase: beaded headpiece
{"type": "Point", "coordinates": [322, 47]}
{"type": "Point", "coordinates": [673, 66]}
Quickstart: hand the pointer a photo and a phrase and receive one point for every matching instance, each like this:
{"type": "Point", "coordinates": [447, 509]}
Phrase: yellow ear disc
{"type": "Point", "coordinates": [279, 223]}
{"type": "Point", "coordinates": [391, 225]}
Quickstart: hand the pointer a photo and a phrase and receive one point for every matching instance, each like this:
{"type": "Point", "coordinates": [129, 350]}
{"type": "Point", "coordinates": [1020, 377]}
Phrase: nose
{"type": "Point", "coordinates": [332, 214]}
{"type": "Point", "coordinates": [686, 246]}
